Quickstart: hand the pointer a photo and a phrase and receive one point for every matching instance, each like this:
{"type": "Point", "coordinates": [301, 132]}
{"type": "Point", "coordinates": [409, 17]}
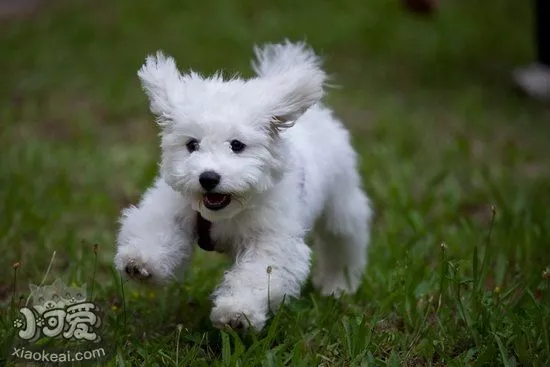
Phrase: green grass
{"type": "Point", "coordinates": [442, 135]}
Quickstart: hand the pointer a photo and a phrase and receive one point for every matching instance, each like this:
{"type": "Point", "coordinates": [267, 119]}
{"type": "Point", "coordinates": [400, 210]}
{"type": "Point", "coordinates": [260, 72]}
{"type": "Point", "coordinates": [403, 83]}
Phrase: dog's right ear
{"type": "Point", "coordinates": [162, 83]}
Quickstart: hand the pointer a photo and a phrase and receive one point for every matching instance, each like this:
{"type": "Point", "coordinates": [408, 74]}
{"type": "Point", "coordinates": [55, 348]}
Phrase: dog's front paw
{"type": "Point", "coordinates": [135, 265]}
{"type": "Point", "coordinates": [237, 314]}
{"type": "Point", "coordinates": [137, 270]}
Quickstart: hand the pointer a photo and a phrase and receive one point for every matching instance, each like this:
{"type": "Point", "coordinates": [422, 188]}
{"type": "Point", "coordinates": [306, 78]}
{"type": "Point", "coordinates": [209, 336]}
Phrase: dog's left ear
{"type": "Point", "coordinates": [294, 79]}
{"type": "Point", "coordinates": [295, 91]}
{"type": "Point", "coordinates": [162, 82]}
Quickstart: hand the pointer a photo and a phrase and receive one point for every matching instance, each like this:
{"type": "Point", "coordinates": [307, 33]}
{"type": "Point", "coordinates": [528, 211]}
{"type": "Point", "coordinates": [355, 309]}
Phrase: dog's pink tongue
{"type": "Point", "coordinates": [215, 198]}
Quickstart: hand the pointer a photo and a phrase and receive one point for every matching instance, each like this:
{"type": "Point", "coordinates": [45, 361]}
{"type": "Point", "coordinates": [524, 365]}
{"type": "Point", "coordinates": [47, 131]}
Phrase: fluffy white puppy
{"type": "Point", "coordinates": [249, 168]}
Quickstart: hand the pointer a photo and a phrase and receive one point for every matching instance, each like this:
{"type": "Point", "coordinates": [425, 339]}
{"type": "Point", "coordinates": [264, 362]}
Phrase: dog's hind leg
{"type": "Point", "coordinates": [341, 239]}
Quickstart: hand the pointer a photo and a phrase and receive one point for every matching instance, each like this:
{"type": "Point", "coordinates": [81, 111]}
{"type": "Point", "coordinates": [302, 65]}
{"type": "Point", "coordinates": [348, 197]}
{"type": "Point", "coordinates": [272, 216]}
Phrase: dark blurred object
{"type": "Point", "coordinates": [542, 19]}
{"type": "Point", "coordinates": [534, 79]}
{"type": "Point", "coordinates": [425, 7]}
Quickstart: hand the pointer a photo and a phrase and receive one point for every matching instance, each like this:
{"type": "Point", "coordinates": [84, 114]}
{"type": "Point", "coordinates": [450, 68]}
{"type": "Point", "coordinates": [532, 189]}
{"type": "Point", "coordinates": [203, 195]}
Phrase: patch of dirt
{"type": "Point", "coordinates": [6, 292]}
{"type": "Point", "coordinates": [416, 362]}
{"type": "Point", "coordinates": [479, 212]}
{"type": "Point", "coordinates": [10, 9]}
{"type": "Point", "coordinates": [58, 113]}
{"type": "Point", "coordinates": [392, 324]}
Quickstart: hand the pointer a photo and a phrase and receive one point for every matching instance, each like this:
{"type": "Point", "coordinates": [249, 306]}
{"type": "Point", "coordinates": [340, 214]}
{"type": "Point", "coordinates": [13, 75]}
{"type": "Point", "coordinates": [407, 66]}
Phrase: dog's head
{"type": "Point", "coordinates": [221, 139]}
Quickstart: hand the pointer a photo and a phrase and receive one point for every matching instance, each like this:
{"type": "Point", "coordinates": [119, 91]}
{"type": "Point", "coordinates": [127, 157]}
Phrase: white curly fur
{"type": "Point", "coordinates": [298, 174]}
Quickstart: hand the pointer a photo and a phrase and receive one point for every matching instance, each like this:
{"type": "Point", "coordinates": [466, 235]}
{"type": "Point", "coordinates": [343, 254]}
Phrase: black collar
{"type": "Point", "coordinates": [203, 232]}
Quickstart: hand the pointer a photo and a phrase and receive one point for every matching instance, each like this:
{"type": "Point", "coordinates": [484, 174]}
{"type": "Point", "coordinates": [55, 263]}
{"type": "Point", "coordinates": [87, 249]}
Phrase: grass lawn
{"type": "Point", "coordinates": [456, 162]}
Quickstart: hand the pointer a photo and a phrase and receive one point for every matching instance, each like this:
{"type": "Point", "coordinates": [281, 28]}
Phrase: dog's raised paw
{"type": "Point", "coordinates": [137, 270]}
{"type": "Point", "coordinates": [132, 265]}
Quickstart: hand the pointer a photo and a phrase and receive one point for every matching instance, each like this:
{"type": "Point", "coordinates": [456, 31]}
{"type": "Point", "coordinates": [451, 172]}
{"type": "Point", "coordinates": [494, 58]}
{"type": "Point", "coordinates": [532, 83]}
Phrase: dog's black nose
{"type": "Point", "coordinates": [209, 180]}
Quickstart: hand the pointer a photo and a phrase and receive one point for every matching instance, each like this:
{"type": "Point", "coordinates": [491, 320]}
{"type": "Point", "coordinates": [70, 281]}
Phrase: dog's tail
{"type": "Point", "coordinates": [273, 59]}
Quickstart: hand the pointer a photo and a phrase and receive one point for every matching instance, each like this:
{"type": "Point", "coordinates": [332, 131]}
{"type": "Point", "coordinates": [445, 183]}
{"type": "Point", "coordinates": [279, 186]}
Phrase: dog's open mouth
{"type": "Point", "coordinates": [216, 201]}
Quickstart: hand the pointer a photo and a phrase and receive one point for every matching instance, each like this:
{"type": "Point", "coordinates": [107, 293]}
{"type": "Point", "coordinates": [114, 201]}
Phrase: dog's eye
{"type": "Point", "coordinates": [237, 146]}
{"type": "Point", "coordinates": [192, 145]}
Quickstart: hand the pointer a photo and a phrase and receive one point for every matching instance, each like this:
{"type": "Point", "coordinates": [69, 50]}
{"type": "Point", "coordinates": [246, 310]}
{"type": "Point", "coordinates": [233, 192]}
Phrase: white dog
{"type": "Point", "coordinates": [248, 168]}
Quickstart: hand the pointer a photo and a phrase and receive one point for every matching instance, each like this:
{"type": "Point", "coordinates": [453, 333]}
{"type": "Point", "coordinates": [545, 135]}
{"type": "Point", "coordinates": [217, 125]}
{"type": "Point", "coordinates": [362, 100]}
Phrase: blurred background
{"type": "Point", "coordinates": [429, 97]}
